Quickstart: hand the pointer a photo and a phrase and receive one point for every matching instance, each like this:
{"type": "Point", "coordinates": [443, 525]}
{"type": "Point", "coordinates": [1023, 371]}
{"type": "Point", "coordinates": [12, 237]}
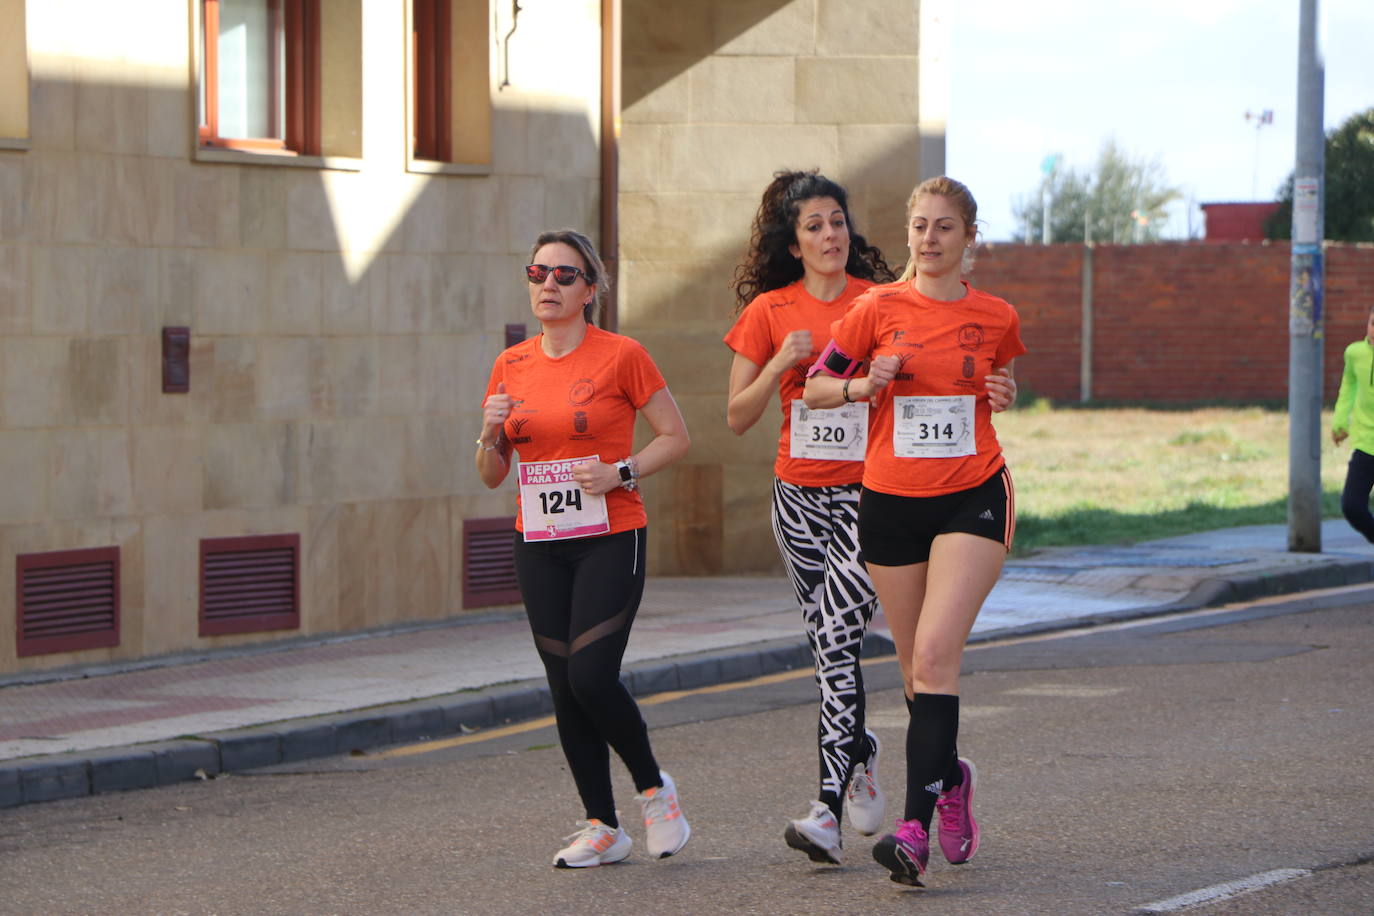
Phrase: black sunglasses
{"type": "Point", "coordinates": [563, 274]}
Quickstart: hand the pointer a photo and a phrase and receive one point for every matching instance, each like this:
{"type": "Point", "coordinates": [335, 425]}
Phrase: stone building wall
{"type": "Point", "coordinates": [344, 311]}
{"type": "Point", "coordinates": [717, 95]}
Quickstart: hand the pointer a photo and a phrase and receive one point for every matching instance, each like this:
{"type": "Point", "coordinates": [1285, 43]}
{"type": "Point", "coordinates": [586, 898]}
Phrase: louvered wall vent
{"type": "Point", "coordinates": [67, 600]}
{"type": "Point", "coordinates": [249, 584]}
{"type": "Point", "coordinates": [489, 562]}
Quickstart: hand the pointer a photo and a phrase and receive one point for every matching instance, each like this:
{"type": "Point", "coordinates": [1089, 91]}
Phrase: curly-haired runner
{"type": "Point", "coordinates": [804, 266]}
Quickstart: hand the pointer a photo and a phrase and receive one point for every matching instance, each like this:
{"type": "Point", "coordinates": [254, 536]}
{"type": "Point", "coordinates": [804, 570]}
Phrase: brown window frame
{"type": "Point", "coordinates": [300, 19]}
{"type": "Point", "coordinates": [432, 76]}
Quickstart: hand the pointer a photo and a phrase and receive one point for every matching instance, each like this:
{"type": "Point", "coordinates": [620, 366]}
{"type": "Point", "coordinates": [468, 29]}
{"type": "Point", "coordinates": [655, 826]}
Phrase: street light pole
{"type": "Point", "coordinates": [1305, 296]}
{"type": "Point", "coordinates": [1047, 166]}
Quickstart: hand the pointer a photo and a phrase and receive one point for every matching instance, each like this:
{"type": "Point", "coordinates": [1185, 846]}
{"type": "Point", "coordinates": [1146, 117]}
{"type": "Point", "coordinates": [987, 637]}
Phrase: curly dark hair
{"type": "Point", "coordinates": [769, 265]}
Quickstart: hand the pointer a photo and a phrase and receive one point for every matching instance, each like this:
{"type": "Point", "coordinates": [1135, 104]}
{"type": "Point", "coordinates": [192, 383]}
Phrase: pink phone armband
{"type": "Point", "coordinates": [833, 361]}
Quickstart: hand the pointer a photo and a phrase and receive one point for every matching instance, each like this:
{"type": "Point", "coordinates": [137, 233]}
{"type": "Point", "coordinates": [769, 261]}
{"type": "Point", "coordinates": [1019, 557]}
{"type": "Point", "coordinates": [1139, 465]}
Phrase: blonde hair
{"type": "Point", "coordinates": [962, 198]}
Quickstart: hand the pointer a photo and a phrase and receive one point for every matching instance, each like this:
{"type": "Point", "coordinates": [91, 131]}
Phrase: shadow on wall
{"type": "Point", "coordinates": [343, 325]}
{"type": "Point", "coordinates": [691, 187]}
{"type": "Point", "coordinates": [682, 36]}
{"type": "Point", "coordinates": [712, 511]}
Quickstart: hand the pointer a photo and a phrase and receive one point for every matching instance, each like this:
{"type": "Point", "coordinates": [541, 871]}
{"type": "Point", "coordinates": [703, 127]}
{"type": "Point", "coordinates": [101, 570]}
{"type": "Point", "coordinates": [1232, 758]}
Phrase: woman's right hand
{"type": "Point", "coordinates": [795, 348]}
{"type": "Point", "coordinates": [495, 410]}
{"type": "Point", "coordinates": [881, 371]}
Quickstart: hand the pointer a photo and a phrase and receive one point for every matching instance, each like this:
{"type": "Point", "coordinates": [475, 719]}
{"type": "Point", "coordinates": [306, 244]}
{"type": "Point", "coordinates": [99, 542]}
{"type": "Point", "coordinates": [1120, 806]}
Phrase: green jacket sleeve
{"type": "Point", "coordinates": [1345, 400]}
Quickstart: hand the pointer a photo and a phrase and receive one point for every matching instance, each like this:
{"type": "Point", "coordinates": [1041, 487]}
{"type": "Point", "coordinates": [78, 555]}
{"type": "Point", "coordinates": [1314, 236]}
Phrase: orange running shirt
{"type": "Point", "coordinates": [946, 348]}
{"type": "Point", "coordinates": [583, 403]}
{"type": "Point", "coordinates": [757, 334]}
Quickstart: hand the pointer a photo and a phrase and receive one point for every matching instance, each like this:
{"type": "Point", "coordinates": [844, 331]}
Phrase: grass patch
{"type": "Point", "coordinates": [1120, 474]}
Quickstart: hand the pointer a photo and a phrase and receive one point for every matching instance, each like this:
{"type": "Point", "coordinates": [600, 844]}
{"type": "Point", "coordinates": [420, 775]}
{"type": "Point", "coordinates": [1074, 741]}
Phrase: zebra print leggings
{"type": "Point", "coordinates": [817, 533]}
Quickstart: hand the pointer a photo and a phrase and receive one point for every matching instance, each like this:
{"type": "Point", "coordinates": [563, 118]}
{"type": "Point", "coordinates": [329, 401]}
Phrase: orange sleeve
{"type": "Point", "coordinates": [1010, 346]}
{"type": "Point", "coordinates": [639, 378]}
{"type": "Point", "coordinates": [751, 337]}
{"type": "Point", "coordinates": [498, 374]}
{"type": "Point", "coordinates": [854, 334]}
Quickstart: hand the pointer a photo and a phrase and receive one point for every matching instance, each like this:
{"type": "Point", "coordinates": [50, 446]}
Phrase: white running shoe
{"type": "Point", "coordinates": [664, 823]}
{"type": "Point", "coordinates": [864, 800]}
{"type": "Point", "coordinates": [595, 844]}
{"type": "Point", "coordinates": [817, 834]}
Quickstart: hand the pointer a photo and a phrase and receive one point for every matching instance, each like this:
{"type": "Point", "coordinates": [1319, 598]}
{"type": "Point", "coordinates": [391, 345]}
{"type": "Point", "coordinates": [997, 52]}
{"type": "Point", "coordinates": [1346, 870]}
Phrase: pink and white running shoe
{"type": "Point", "coordinates": [958, 829]}
{"type": "Point", "coordinates": [904, 853]}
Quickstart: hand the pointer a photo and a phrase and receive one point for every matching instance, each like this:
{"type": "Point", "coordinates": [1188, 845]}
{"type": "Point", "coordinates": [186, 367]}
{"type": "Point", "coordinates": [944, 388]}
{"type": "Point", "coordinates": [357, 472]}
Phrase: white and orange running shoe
{"type": "Point", "coordinates": [595, 844]}
{"type": "Point", "coordinates": [817, 834]}
{"type": "Point", "coordinates": [866, 803]}
{"type": "Point", "coordinates": [664, 823]}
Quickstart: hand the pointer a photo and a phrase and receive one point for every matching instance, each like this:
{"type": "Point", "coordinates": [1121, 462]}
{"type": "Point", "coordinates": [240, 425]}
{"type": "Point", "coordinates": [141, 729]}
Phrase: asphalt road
{"type": "Point", "coordinates": [1120, 770]}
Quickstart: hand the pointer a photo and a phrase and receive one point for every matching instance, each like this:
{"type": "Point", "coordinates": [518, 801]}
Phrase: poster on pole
{"type": "Point", "coordinates": [1305, 298]}
{"type": "Point", "coordinates": [1306, 230]}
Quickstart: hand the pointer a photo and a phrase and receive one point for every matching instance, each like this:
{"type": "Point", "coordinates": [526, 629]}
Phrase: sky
{"type": "Point", "coordinates": [1168, 80]}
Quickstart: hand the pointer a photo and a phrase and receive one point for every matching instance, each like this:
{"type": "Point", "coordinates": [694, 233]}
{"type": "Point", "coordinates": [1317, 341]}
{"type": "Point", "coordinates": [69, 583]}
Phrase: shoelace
{"type": "Point", "coordinates": [951, 809]}
{"type": "Point", "coordinates": [657, 807]}
{"type": "Point", "coordinates": [588, 832]}
{"type": "Point", "coordinates": [862, 781]}
{"type": "Point", "coordinates": [910, 833]}
{"type": "Point", "coordinates": [820, 813]}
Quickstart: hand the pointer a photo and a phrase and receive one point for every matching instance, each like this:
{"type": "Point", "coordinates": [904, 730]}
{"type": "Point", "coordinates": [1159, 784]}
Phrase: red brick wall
{"type": "Point", "coordinates": [1172, 322]}
{"type": "Point", "coordinates": [1236, 222]}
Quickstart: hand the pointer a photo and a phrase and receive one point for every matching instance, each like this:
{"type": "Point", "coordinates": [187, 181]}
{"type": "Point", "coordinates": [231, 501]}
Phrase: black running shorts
{"type": "Point", "coordinates": [898, 530]}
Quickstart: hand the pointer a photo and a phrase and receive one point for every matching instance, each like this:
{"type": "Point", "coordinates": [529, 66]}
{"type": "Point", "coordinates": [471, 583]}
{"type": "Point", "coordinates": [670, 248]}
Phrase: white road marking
{"type": "Point", "coordinates": [1068, 691]}
{"type": "Point", "coordinates": [1223, 891]}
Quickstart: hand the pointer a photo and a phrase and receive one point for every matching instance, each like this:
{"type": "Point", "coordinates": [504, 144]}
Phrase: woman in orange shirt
{"type": "Point", "coordinates": [805, 265]}
{"type": "Point", "coordinates": [566, 401]}
{"type": "Point", "coordinates": [937, 513]}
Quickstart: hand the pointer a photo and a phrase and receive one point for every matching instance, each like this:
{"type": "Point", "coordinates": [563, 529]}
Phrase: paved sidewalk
{"type": "Point", "coordinates": [98, 731]}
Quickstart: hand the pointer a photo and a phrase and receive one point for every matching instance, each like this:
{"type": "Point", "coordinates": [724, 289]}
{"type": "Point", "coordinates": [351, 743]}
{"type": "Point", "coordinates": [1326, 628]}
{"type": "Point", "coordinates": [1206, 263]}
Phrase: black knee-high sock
{"type": "Point", "coordinates": [930, 741]}
{"type": "Point", "coordinates": [954, 776]}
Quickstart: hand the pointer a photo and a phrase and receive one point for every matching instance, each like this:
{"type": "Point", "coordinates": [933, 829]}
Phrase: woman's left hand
{"type": "Point", "coordinates": [1001, 389]}
{"type": "Point", "coordinates": [596, 477]}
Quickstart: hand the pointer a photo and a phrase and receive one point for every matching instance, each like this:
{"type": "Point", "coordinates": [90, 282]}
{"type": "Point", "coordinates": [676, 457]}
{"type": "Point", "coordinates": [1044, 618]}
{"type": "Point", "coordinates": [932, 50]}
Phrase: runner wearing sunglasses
{"type": "Point", "coordinates": [804, 267]}
{"type": "Point", "coordinates": [937, 514]}
{"type": "Point", "coordinates": [565, 403]}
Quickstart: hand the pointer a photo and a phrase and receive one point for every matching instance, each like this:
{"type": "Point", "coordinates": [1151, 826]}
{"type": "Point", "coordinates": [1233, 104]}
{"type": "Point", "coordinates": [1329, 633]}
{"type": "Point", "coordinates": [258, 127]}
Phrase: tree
{"type": "Point", "coordinates": [1349, 206]}
{"type": "Point", "coordinates": [1119, 200]}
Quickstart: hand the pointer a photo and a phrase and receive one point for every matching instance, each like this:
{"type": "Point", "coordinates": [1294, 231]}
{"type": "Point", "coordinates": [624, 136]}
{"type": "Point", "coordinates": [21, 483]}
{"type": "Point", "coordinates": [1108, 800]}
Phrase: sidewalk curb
{"type": "Point", "coordinates": [75, 774]}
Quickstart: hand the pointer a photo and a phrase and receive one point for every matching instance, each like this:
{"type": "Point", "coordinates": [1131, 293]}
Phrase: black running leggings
{"type": "Point", "coordinates": [1359, 480]}
{"type": "Point", "coordinates": [581, 596]}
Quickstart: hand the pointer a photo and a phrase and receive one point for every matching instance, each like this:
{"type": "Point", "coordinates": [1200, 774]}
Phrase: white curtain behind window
{"type": "Point", "coordinates": [249, 57]}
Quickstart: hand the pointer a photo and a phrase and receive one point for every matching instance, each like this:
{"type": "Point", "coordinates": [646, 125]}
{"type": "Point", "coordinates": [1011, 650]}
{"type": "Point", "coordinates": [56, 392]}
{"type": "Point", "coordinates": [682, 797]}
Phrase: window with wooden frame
{"type": "Point", "coordinates": [260, 75]}
{"type": "Point", "coordinates": [450, 86]}
{"type": "Point", "coordinates": [431, 70]}
{"type": "Point", "coordinates": [14, 76]}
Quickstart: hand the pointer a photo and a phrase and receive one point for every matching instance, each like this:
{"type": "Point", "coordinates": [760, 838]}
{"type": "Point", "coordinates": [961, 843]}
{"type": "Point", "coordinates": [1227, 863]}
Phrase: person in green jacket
{"type": "Point", "coordinates": [1354, 417]}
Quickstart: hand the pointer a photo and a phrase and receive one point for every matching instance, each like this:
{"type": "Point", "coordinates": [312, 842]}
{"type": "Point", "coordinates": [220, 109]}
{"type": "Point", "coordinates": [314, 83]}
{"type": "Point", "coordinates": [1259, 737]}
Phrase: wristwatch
{"type": "Point", "coordinates": [628, 478]}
